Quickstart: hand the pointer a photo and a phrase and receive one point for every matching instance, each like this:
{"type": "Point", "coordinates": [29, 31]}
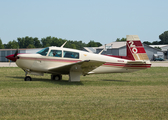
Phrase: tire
{"type": "Point", "coordinates": [28, 78]}
{"type": "Point", "coordinates": [56, 77]}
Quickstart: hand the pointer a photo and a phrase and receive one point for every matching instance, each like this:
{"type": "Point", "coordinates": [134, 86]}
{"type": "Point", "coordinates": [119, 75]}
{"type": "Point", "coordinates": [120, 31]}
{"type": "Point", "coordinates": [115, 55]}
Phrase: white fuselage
{"type": "Point", "coordinates": [42, 63]}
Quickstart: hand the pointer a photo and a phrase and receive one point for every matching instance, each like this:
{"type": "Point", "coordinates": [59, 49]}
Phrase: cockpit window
{"type": "Point", "coordinates": [68, 54]}
{"type": "Point", "coordinates": [43, 51]}
{"type": "Point", "coordinates": [55, 53]}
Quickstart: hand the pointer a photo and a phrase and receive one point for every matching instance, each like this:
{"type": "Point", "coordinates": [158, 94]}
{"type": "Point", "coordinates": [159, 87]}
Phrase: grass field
{"type": "Point", "coordinates": [138, 95]}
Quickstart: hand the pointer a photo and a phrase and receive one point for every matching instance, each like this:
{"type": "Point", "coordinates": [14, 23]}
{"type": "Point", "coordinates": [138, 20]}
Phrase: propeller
{"type": "Point", "coordinates": [16, 53]}
{"type": "Point", "coordinates": [13, 57]}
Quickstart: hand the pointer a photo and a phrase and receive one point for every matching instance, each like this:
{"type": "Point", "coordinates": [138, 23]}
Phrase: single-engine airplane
{"type": "Point", "coordinates": [59, 61]}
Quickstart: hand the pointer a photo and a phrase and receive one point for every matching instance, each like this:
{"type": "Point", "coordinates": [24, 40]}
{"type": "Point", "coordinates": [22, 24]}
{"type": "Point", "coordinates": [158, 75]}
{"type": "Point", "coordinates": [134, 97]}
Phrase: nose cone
{"type": "Point", "coordinates": [11, 57]}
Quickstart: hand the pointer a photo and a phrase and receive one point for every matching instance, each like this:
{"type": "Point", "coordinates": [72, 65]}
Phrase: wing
{"type": "Point", "coordinates": [82, 66]}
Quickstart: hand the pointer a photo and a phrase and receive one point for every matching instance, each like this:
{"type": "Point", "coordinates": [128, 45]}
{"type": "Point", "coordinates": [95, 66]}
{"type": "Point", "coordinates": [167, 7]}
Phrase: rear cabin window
{"type": "Point", "coordinates": [43, 51]}
{"type": "Point", "coordinates": [68, 54]}
{"type": "Point", "coordinates": [55, 53]}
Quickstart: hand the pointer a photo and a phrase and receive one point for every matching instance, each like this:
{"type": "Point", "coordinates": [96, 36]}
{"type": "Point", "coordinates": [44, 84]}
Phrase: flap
{"type": "Point", "coordinates": [82, 66]}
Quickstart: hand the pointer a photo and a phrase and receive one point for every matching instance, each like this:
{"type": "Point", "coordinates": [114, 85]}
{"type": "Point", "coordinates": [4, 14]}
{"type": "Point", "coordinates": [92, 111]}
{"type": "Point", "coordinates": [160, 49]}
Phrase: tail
{"type": "Point", "coordinates": [135, 49]}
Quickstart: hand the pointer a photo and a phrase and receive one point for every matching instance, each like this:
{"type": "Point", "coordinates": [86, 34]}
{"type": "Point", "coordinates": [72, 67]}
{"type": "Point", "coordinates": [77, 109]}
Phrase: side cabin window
{"type": "Point", "coordinates": [69, 54]}
{"type": "Point", "coordinates": [43, 51]}
{"type": "Point", "coordinates": [55, 53]}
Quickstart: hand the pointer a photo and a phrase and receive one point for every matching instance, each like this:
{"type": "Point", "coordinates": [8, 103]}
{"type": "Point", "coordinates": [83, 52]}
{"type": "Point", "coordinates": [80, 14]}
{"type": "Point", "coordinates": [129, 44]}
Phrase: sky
{"type": "Point", "coordinates": [83, 20]}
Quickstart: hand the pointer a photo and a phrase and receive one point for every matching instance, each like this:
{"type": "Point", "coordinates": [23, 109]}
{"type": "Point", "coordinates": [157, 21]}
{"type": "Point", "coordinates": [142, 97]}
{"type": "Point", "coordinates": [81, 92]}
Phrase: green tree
{"type": "Point", "coordinates": [21, 42]}
{"type": "Point", "coordinates": [79, 45]}
{"type": "Point", "coordinates": [158, 48]}
{"type": "Point", "coordinates": [5, 46]}
{"type": "Point", "coordinates": [37, 43]}
{"type": "Point", "coordinates": [68, 44]}
{"type": "Point", "coordinates": [46, 42]}
{"type": "Point", "coordinates": [98, 44]}
{"type": "Point", "coordinates": [164, 38]}
{"type": "Point", "coordinates": [57, 41]}
{"type": "Point", "coordinates": [30, 46]}
{"type": "Point", "coordinates": [73, 46]}
{"type": "Point", "coordinates": [148, 43]}
{"type": "Point", "coordinates": [155, 43]}
{"type": "Point", "coordinates": [12, 45]}
{"type": "Point", "coordinates": [93, 44]}
{"type": "Point", "coordinates": [1, 45]}
{"type": "Point", "coordinates": [121, 40]}
{"type": "Point", "coordinates": [29, 42]}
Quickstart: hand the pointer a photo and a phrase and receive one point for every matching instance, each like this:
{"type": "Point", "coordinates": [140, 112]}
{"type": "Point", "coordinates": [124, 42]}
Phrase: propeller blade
{"type": "Point", "coordinates": [16, 53]}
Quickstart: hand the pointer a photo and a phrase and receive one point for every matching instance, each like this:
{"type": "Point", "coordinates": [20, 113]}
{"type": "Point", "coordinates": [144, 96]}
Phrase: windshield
{"type": "Point", "coordinates": [43, 51]}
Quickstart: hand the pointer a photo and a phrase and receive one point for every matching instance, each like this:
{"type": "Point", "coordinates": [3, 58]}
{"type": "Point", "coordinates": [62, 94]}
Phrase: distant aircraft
{"type": "Point", "coordinates": [59, 61]}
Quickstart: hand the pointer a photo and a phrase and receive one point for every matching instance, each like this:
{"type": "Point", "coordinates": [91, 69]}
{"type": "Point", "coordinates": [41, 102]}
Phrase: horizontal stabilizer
{"type": "Point", "coordinates": [136, 62]}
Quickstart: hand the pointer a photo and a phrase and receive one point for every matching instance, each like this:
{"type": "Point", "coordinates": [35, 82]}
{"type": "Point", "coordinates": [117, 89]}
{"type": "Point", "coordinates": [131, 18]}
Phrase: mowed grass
{"type": "Point", "coordinates": [137, 95]}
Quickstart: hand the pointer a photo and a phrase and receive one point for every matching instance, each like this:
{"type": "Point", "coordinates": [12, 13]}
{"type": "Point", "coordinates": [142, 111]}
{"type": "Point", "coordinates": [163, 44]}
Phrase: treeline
{"type": "Point", "coordinates": [163, 40]}
{"type": "Point", "coordinates": [153, 43]}
{"type": "Point", "coordinates": [30, 42]}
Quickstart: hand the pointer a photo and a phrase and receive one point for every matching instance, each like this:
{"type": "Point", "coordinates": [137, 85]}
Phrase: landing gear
{"type": "Point", "coordinates": [56, 77]}
{"type": "Point", "coordinates": [28, 78]}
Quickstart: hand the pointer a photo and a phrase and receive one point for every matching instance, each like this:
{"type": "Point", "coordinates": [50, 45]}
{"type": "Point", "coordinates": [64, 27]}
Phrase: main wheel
{"type": "Point", "coordinates": [56, 77]}
{"type": "Point", "coordinates": [28, 78]}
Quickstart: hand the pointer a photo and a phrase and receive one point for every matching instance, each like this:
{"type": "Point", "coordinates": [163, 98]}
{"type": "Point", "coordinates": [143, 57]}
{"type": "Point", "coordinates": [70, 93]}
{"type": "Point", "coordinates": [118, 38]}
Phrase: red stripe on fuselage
{"type": "Point", "coordinates": [106, 64]}
{"type": "Point", "coordinates": [47, 59]}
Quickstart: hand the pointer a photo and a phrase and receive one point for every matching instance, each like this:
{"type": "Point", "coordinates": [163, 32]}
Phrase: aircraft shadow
{"type": "Point", "coordinates": [116, 80]}
{"type": "Point", "coordinates": [61, 82]}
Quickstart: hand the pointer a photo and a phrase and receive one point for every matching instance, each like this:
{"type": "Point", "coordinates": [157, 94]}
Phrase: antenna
{"type": "Point", "coordinates": [101, 52]}
{"type": "Point", "coordinates": [63, 44]}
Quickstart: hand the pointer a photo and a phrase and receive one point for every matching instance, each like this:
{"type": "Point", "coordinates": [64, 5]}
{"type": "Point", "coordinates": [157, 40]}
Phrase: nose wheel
{"type": "Point", "coordinates": [28, 78]}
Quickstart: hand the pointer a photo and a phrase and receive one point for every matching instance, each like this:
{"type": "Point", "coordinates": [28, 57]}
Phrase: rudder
{"type": "Point", "coordinates": [135, 49]}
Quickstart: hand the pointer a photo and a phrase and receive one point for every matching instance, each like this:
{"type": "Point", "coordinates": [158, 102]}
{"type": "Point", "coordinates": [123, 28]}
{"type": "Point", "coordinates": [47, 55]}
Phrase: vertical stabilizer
{"type": "Point", "coordinates": [135, 49]}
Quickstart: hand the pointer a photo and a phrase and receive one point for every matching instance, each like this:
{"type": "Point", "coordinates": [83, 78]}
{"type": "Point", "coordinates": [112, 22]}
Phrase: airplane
{"type": "Point", "coordinates": [59, 61]}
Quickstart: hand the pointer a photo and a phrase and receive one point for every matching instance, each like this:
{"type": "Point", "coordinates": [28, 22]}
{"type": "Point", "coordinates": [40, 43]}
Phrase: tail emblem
{"type": "Point", "coordinates": [135, 49]}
